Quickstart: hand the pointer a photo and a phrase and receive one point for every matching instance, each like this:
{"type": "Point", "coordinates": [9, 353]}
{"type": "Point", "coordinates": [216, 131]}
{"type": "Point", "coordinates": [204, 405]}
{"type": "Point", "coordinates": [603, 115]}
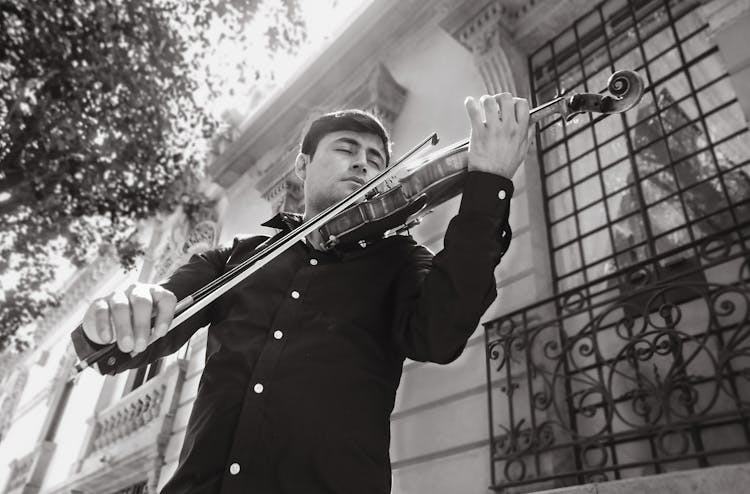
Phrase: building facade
{"type": "Point", "coordinates": [617, 346]}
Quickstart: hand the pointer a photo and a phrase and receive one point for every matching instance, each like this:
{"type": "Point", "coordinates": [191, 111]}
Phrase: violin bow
{"type": "Point", "coordinates": [625, 86]}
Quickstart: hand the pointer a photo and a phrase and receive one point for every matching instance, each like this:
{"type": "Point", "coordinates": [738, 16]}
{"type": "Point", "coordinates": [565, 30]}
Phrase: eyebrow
{"type": "Point", "coordinates": [348, 140]}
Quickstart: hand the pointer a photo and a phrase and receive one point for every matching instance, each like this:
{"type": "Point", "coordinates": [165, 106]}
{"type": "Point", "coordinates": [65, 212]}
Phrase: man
{"type": "Point", "coordinates": [303, 358]}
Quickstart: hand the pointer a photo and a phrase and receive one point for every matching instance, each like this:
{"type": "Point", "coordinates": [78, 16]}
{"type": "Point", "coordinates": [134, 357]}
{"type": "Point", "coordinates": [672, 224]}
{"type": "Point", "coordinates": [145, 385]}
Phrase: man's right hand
{"type": "Point", "coordinates": [125, 317]}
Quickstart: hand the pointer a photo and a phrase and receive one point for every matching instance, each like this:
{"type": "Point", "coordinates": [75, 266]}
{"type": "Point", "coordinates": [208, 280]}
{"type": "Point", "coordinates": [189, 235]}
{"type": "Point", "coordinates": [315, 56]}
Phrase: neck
{"type": "Point", "coordinates": [314, 238]}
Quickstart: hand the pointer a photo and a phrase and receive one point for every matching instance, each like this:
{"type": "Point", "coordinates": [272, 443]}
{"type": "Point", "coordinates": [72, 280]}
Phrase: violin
{"type": "Point", "coordinates": [416, 187]}
{"type": "Point", "coordinates": [440, 176]}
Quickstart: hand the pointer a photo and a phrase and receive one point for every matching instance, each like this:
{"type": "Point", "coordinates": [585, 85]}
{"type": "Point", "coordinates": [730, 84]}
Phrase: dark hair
{"type": "Point", "coordinates": [353, 120]}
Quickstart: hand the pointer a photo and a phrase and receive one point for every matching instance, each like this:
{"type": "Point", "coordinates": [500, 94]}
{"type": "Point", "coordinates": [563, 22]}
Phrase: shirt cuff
{"type": "Point", "coordinates": [84, 347]}
{"type": "Point", "coordinates": [486, 193]}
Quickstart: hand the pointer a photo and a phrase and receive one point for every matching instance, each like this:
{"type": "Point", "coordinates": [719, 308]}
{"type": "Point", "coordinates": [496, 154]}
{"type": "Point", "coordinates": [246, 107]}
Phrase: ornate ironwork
{"type": "Point", "coordinates": [606, 381]}
{"type": "Point", "coordinates": [640, 362]}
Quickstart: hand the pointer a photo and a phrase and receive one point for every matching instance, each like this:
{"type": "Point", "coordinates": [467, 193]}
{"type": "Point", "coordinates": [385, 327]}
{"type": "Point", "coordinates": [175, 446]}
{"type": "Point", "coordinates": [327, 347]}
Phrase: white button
{"type": "Point", "coordinates": [295, 294]}
{"type": "Point", "coordinates": [501, 195]}
{"type": "Point", "coordinates": [314, 262]}
{"type": "Point", "coordinates": [258, 388]}
{"type": "Point", "coordinates": [278, 334]}
{"type": "Point", "coordinates": [234, 468]}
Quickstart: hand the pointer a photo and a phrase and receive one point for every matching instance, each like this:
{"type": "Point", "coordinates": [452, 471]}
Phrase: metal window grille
{"type": "Point", "coordinates": [639, 364]}
{"type": "Point", "coordinates": [619, 189]}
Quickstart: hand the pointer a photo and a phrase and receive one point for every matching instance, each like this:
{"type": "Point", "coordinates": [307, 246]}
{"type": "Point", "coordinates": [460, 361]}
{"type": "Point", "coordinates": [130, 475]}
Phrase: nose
{"type": "Point", "coordinates": [359, 161]}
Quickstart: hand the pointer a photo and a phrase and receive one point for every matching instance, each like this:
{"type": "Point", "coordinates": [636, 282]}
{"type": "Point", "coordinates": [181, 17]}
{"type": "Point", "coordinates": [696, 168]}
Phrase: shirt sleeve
{"type": "Point", "coordinates": [440, 299]}
{"type": "Point", "coordinates": [200, 270]}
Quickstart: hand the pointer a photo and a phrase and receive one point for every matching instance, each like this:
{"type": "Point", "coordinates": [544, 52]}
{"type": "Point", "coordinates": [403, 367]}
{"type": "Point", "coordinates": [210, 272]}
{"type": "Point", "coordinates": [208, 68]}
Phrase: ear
{"type": "Point", "coordinates": [300, 165]}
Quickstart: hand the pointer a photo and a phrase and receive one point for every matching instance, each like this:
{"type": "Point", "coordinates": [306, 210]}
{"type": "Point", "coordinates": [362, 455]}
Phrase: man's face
{"type": "Point", "coordinates": [343, 161]}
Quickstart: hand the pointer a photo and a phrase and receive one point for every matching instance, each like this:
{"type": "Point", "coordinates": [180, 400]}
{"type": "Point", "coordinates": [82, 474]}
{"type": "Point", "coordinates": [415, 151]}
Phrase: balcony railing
{"type": "Point", "coordinates": [140, 411]}
{"type": "Point", "coordinates": [130, 435]}
{"type": "Point", "coordinates": [27, 472]}
{"type": "Point", "coordinates": [641, 372]}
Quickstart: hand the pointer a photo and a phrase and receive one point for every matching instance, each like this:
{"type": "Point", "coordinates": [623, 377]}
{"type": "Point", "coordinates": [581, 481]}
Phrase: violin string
{"type": "Point", "coordinates": [534, 115]}
{"type": "Point", "coordinates": [270, 249]}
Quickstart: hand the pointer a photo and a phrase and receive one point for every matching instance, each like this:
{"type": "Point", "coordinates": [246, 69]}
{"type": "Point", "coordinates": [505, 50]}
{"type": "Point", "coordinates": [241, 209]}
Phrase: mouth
{"type": "Point", "coordinates": [355, 179]}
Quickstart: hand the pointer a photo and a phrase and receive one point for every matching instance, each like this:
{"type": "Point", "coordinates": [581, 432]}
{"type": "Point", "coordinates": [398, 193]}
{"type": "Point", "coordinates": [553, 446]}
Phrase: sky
{"type": "Point", "coordinates": [324, 20]}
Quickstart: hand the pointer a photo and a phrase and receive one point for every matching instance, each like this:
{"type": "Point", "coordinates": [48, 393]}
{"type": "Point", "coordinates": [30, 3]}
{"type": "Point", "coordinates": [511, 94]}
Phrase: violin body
{"type": "Point", "coordinates": [432, 181]}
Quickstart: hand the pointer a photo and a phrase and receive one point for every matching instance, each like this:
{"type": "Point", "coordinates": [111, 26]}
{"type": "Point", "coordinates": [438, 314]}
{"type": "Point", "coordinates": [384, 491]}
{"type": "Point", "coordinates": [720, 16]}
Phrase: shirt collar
{"type": "Point", "coordinates": [284, 221]}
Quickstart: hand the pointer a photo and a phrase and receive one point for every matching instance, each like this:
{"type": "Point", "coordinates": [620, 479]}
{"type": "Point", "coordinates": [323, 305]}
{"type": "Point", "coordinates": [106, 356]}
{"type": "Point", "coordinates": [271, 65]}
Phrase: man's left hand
{"type": "Point", "coordinates": [499, 133]}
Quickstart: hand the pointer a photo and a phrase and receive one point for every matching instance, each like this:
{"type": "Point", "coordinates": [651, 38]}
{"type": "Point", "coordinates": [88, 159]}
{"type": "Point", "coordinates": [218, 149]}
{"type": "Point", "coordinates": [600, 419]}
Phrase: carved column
{"type": "Point", "coordinates": [485, 33]}
{"type": "Point", "coordinates": [280, 185]}
{"type": "Point", "coordinates": [379, 94]}
{"type": "Point", "coordinates": [185, 238]}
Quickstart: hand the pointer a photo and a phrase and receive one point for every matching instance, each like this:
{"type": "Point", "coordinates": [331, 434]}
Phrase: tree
{"type": "Point", "coordinates": [101, 125]}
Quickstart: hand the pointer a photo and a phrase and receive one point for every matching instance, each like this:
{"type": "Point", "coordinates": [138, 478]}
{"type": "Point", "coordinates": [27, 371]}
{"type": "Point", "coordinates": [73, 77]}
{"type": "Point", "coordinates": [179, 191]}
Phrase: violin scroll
{"type": "Point", "coordinates": [626, 87]}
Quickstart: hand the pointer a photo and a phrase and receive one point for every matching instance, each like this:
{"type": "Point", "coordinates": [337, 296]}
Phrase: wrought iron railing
{"type": "Point", "coordinates": [643, 371]}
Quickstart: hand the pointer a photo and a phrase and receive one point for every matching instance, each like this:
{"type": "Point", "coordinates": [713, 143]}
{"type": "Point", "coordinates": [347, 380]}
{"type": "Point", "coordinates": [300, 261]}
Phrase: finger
{"type": "Point", "coordinates": [507, 109]}
{"type": "Point", "coordinates": [529, 139]}
{"type": "Point", "coordinates": [492, 111]}
{"type": "Point", "coordinates": [103, 323]}
{"type": "Point", "coordinates": [521, 107]}
{"type": "Point", "coordinates": [474, 114]}
{"type": "Point", "coordinates": [164, 303]}
{"type": "Point", "coordinates": [119, 308]}
{"type": "Point", "coordinates": [96, 324]}
{"type": "Point", "coordinates": [140, 310]}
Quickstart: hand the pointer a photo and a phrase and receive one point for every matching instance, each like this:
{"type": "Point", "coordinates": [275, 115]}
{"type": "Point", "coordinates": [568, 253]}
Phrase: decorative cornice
{"type": "Point", "coordinates": [473, 23]}
{"type": "Point", "coordinates": [484, 32]}
{"type": "Point", "coordinates": [380, 94]}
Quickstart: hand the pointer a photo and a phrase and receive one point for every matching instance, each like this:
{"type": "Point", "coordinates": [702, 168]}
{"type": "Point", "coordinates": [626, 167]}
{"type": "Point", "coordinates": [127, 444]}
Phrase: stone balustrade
{"type": "Point", "coordinates": [27, 472]}
{"type": "Point", "coordinates": [132, 413]}
{"type": "Point", "coordinates": [137, 418]}
{"type": "Point", "coordinates": [129, 435]}
{"type": "Point", "coordinates": [19, 471]}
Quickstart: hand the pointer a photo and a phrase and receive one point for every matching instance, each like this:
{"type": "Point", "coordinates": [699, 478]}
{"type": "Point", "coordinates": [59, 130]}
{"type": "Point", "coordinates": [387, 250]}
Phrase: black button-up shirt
{"type": "Point", "coordinates": [303, 358]}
